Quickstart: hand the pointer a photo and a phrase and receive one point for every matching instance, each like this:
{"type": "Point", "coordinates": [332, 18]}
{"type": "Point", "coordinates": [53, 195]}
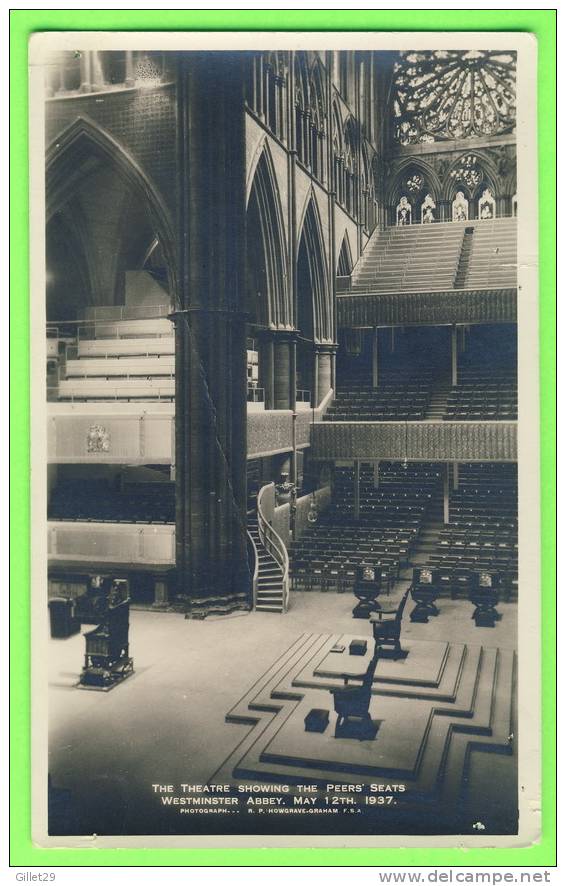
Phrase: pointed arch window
{"type": "Point", "coordinates": [460, 207]}
{"type": "Point", "coordinates": [350, 200]}
{"type": "Point", "coordinates": [514, 206]}
{"type": "Point", "coordinates": [468, 172]}
{"type": "Point", "coordinates": [428, 210]}
{"type": "Point", "coordinates": [413, 184]}
{"type": "Point", "coordinates": [486, 206]}
{"type": "Point", "coordinates": [344, 74]}
{"type": "Point", "coordinates": [318, 123]}
{"type": "Point", "coordinates": [444, 94]}
{"type": "Point", "coordinates": [275, 73]}
{"type": "Point", "coordinates": [345, 259]}
{"type": "Point", "coordinates": [302, 113]}
{"type": "Point", "coordinates": [267, 82]}
{"type": "Point", "coordinates": [338, 154]}
{"type": "Point", "coordinates": [403, 212]}
{"type": "Point", "coordinates": [266, 253]}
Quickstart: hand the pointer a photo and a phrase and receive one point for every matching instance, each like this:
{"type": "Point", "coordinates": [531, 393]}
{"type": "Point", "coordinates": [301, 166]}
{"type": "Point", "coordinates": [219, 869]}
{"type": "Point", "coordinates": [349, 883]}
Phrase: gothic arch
{"type": "Point", "coordinates": [317, 89]}
{"type": "Point", "coordinates": [351, 136]}
{"type": "Point", "coordinates": [432, 182]}
{"type": "Point", "coordinates": [301, 80]}
{"type": "Point", "coordinates": [351, 170]}
{"type": "Point", "coordinates": [262, 145]}
{"type": "Point", "coordinates": [314, 308]}
{"type": "Point", "coordinates": [486, 171]}
{"type": "Point", "coordinates": [344, 262]}
{"type": "Point", "coordinates": [83, 145]}
{"type": "Point", "coordinates": [269, 254]}
{"type": "Point", "coordinates": [337, 129]}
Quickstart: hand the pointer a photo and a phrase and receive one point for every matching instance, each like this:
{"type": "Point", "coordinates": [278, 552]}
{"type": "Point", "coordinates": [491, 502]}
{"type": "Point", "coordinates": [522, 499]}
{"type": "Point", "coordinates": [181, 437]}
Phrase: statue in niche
{"type": "Point", "coordinates": [459, 208]}
{"type": "Point", "coordinates": [427, 210]}
{"type": "Point", "coordinates": [404, 212]}
{"type": "Point", "coordinates": [486, 205]}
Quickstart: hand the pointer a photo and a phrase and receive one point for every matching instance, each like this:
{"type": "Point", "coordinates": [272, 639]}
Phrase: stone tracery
{"type": "Point", "coordinates": [444, 94]}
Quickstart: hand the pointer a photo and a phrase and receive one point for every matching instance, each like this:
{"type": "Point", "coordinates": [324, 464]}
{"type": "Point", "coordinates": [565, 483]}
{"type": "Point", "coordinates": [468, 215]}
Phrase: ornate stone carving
{"type": "Point", "coordinates": [98, 439]}
{"type": "Point", "coordinates": [441, 95]}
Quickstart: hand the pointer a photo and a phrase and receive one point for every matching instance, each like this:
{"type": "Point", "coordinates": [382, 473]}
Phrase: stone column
{"type": "Point", "coordinates": [86, 66]}
{"type": "Point", "coordinates": [357, 489]}
{"type": "Point", "coordinates": [211, 377]}
{"type": "Point", "coordinates": [454, 354]}
{"type": "Point", "coordinates": [130, 79]}
{"type": "Point", "coordinates": [293, 406]}
{"type": "Point", "coordinates": [375, 359]}
{"type": "Point", "coordinates": [446, 494]}
{"type": "Point", "coordinates": [282, 364]}
{"type": "Point", "coordinates": [266, 367]}
{"type": "Point", "coordinates": [324, 365]}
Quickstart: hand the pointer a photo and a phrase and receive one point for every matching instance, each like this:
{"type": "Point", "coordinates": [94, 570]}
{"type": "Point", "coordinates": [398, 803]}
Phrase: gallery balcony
{"type": "Point", "coordinates": [461, 441]}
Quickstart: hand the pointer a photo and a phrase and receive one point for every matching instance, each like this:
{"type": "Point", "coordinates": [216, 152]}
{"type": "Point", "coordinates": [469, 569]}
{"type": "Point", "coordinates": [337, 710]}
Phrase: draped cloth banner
{"type": "Point", "coordinates": [404, 308]}
{"type": "Point", "coordinates": [417, 441]}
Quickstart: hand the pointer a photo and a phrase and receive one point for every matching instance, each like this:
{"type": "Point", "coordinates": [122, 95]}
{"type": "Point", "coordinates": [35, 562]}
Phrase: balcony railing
{"type": "Point", "coordinates": [107, 393]}
{"type": "Point", "coordinates": [255, 395]}
{"type": "Point", "coordinates": [92, 433]}
{"type": "Point", "coordinates": [270, 539]}
{"type": "Point", "coordinates": [128, 543]}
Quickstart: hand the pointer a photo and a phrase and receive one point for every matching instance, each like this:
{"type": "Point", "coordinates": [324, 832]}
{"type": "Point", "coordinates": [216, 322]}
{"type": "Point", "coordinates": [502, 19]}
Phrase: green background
{"type": "Point", "coordinates": [542, 23]}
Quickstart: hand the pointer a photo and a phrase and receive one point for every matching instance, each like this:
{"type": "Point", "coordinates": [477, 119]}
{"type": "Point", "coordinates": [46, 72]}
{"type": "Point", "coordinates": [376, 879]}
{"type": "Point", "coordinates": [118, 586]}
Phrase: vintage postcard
{"type": "Point", "coordinates": [285, 584]}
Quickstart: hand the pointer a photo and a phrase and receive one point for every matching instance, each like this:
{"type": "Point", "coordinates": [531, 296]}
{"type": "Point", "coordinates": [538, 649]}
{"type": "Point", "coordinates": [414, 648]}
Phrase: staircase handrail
{"type": "Point", "coordinates": [458, 258]}
{"type": "Point", "coordinates": [255, 553]}
{"type": "Point", "coordinates": [273, 543]}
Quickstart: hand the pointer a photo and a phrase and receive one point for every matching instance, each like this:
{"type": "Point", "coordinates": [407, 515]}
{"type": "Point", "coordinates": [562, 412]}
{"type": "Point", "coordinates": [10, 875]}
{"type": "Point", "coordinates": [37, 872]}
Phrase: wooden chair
{"type": "Point", "coordinates": [386, 626]}
{"type": "Point", "coordinates": [351, 704]}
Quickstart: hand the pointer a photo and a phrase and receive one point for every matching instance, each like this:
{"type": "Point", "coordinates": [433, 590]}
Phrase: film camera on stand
{"type": "Point", "coordinates": [107, 659]}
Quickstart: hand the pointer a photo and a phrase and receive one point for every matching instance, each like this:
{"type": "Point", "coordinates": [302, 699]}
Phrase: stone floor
{"type": "Point", "coordinates": [166, 724]}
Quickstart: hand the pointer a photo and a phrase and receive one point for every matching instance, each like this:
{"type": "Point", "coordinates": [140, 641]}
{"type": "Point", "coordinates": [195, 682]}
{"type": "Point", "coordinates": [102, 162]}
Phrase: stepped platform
{"type": "Point", "coordinates": [436, 710]}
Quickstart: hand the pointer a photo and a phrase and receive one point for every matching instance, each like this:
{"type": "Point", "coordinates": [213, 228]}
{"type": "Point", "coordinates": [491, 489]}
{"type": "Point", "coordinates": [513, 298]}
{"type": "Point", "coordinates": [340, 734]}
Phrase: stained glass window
{"type": "Point", "coordinates": [415, 183]}
{"type": "Point", "coordinates": [403, 212]}
{"type": "Point", "coordinates": [486, 205]}
{"type": "Point", "coordinates": [468, 172]}
{"type": "Point", "coordinates": [459, 207]}
{"type": "Point", "coordinates": [444, 94]}
{"type": "Point", "coordinates": [427, 210]}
